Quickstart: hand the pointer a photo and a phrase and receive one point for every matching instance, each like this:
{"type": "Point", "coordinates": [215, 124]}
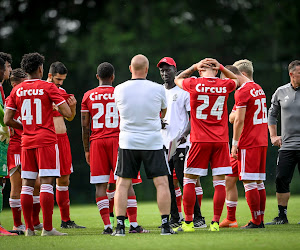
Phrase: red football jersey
{"type": "Point", "coordinates": [33, 99]}
{"type": "Point", "coordinates": [209, 116]}
{"type": "Point", "coordinates": [255, 131]}
{"type": "Point", "coordinates": [65, 95]}
{"type": "Point", "coordinates": [100, 103]}
{"type": "Point", "coordinates": [14, 146]}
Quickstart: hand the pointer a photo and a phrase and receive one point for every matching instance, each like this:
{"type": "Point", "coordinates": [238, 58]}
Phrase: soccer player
{"type": "Point", "coordinates": [33, 98]}
{"type": "Point", "coordinates": [14, 168]}
{"type": "Point", "coordinates": [140, 103]}
{"type": "Point", "coordinates": [250, 143]}
{"type": "Point", "coordinates": [177, 123]}
{"type": "Point", "coordinates": [3, 148]}
{"type": "Point", "coordinates": [209, 134]}
{"type": "Point", "coordinates": [246, 68]}
{"type": "Point", "coordinates": [286, 101]}
{"type": "Point", "coordinates": [57, 74]}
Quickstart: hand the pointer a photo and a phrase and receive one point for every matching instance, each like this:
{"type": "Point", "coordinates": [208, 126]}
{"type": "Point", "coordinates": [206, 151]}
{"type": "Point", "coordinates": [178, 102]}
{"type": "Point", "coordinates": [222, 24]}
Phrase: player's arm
{"type": "Point", "coordinates": [72, 104]}
{"type": "Point", "coordinates": [85, 125]}
{"type": "Point", "coordinates": [10, 121]}
{"type": "Point", "coordinates": [232, 117]}
{"type": "Point", "coordinates": [272, 122]}
{"type": "Point", "coordinates": [65, 110]}
{"type": "Point", "coordinates": [186, 132]}
{"type": "Point", "coordinates": [185, 74]}
{"type": "Point", "coordinates": [237, 129]}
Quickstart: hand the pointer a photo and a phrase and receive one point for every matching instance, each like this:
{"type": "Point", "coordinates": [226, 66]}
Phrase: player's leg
{"type": "Point", "coordinates": [219, 198]}
{"type": "Point", "coordinates": [174, 220]}
{"type": "Point", "coordinates": [178, 194]}
{"type": "Point", "coordinates": [286, 164]}
{"type": "Point", "coordinates": [110, 191]}
{"type": "Point", "coordinates": [36, 206]}
{"type": "Point", "coordinates": [260, 184]}
{"type": "Point", "coordinates": [14, 200]}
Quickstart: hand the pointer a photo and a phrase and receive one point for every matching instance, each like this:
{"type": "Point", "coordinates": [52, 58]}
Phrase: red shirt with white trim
{"type": "Point", "coordinates": [33, 99]}
{"type": "Point", "coordinates": [209, 115]}
{"type": "Point", "coordinates": [255, 131]}
{"type": "Point", "coordinates": [15, 139]}
{"type": "Point", "coordinates": [100, 103]}
{"type": "Point", "coordinates": [65, 95]}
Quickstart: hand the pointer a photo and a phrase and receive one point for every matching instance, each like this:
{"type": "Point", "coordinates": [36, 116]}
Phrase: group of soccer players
{"type": "Point", "coordinates": [39, 148]}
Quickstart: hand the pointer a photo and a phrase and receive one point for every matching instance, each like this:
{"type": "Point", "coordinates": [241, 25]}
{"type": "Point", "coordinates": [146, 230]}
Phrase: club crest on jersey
{"type": "Point", "coordinates": [202, 88]}
{"type": "Point", "coordinates": [256, 92]}
{"type": "Point", "coordinates": [175, 97]}
{"type": "Point", "coordinates": [29, 92]}
{"type": "Point", "coordinates": [97, 97]}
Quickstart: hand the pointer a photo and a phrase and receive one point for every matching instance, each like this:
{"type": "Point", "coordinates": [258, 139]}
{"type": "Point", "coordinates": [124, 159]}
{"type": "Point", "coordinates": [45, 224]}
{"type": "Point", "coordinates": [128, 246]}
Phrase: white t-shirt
{"type": "Point", "coordinates": [139, 103]}
{"type": "Point", "coordinates": [177, 117]}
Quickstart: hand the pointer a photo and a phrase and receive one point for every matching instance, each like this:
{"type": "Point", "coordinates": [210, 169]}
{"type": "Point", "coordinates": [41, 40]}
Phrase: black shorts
{"type": "Point", "coordinates": [129, 163]}
{"type": "Point", "coordinates": [286, 163]}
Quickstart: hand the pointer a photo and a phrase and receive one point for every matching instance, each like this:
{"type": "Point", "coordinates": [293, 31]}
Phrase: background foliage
{"type": "Point", "coordinates": [84, 33]}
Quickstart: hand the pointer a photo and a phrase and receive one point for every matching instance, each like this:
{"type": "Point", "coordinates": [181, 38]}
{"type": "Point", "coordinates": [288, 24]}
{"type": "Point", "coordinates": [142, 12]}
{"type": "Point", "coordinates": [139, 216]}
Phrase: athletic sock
{"type": "Point", "coordinates": [164, 220]}
{"type": "Point", "coordinates": [36, 210]}
{"type": "Point", "coordinates": [231, 209]}
{"type": "Point", "coordinates": [262, 195]}
{"type": "Point", "coordinates": [199, 194]}
{"type": "Point", "coordinates": [110, 196]}
{"type": "Point", "coordinates": [253, 200]}
{"type": "Point", "coordinates": [27, 205]}
{"type": "Point", "coordinates": [178, 199]}
{"type": "Point", "coordinates": [103, 206]}
{"type": "Point", "coordinates": [47, 204]}
{"type": "Point", "coordinates": [120, 222]}
{"type": "Point", "coordinates": [132, 210]}
{"type": "Point", "coordinates": [282, 211]}
{"type": "Point", "coordinates": [15, 205]}
{"type": "Point", "coordinates": [63, 201]}
{"type": "Point", "coordinates": [219, 199]}
{"type": "Point", "coordinates": [189, 198]}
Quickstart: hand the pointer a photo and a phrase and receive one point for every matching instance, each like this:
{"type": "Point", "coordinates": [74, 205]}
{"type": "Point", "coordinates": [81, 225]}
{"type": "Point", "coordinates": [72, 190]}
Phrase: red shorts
{"type": "Point", "coordinates": [135, 181]}
{"type": "Point", "coordinates": [65, 155]}
{"type": "Point", "coordinates": [103, 159]}
{"type": "Point", "coordinates": [252, 163]}
{"type": "Point", "coordinates": [13, 161]}
{"type": "Point", "coordinates": [43, 161]}
{"type": "Point", "coordinates": [202, 153]}
{"type": "Point", "coordinates": [234, 165]}
{"type": "Point", "coordinates": [174, 175]}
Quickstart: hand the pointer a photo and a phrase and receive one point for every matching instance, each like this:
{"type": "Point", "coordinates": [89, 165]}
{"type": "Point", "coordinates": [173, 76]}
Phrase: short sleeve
{"type": "Point", "coordinates": [230, 84]}
{"type": "Point", "coordinates": [84, 106]}
{"type": "Point", "coordinates": [241, 99]}
{"type": "Point", "coordinates": [274, 99]}
{"type": "Point", "coordinates": [188, 83]}
{"type": "Point", "coordinates": [54, 94]}
{"type": "Point", "coordinates": [234, 108]}
{"type": "Point", "coordinates": [11, 102]}
{"type": "Point", "coordinates": [187, 103]}
{"type": "Point", "coordinates": [163, 98]}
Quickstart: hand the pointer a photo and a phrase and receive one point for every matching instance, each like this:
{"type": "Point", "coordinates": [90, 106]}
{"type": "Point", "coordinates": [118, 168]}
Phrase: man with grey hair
{"type": "Point", "coordinates": [286, 100]}
{"type": "Point", "coordinates": [141, 103]}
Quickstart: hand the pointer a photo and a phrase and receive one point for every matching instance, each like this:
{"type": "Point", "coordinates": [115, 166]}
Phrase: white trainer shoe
{"type": "Point", "coordinates": [20, 228]}
{"type": "Point", "coordinates": [28, 232]}
{"type": "Point", "coordinates": [38, 227]}
{"type": "Point", "coordinates": [53, 232]}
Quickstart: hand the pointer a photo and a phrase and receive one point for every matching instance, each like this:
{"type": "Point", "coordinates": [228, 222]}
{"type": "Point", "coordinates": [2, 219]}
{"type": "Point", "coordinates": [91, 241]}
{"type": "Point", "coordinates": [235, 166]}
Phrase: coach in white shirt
{"type": "Point", "coordinates": [141, 103]}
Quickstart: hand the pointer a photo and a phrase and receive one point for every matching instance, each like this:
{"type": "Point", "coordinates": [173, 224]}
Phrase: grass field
{"type": "Point", "coordinates": [272, 237]}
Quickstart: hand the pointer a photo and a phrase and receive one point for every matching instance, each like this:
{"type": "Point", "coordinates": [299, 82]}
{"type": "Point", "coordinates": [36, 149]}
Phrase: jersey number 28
{"type": "Point", "coordinates": [111, 116]}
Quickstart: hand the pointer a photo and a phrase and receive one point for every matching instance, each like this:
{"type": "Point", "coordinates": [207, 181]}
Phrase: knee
{"type": "Point", "coordinates": [282, 184]}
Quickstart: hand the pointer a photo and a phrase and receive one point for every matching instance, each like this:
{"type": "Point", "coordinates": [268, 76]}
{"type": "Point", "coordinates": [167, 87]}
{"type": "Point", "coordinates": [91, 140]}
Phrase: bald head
{"type": "Point", "coordinates": [139, 66]}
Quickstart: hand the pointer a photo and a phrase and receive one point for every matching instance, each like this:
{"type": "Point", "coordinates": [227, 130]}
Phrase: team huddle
{"type": "Point", "coordinates": [175, 131]}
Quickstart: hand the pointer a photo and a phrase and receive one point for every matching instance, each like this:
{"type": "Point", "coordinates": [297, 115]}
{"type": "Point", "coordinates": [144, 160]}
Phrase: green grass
{"type": "Point", "coordinates": [272, 237]}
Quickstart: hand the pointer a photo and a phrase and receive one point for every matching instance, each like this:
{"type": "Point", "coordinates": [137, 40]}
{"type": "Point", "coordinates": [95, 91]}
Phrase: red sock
{"type": "Point", "coordinates": [103, 206]}
{"type": "Point", "coordinates": [199, 194]}
{"type": "Point", "coordinates": [231, 209]}
{"type": "Point", "coordinates": [47, 204]}
{"type": "Point", "coordinates": [219, 199]}
{"type": "Point", "coordinates": [178, 199]}
{"type": "Point", "coordinates": [262, 196]}
{"type": "Point", "coordinates": [63, 201]}
{"type": "Point", "coordinates": [189, 197]}
{"type": "Point", "coordinates": [36, 210]}
{"type": "Point", "coordinates": [15, 205]}
{"type": "Point", "coordinates": [253, 200]}
{"type": "Point", "coordinates": [27, 204]}
{"type": "Point", "coordinates": [132, 209]}
{"type": "Point", "coordinates": [110, 196]}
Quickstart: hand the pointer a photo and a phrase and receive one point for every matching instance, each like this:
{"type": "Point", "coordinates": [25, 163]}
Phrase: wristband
{"type": "Point", "coordinates": [234, 142]}
{"type": "Point", "coordinates": [221, 67]}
